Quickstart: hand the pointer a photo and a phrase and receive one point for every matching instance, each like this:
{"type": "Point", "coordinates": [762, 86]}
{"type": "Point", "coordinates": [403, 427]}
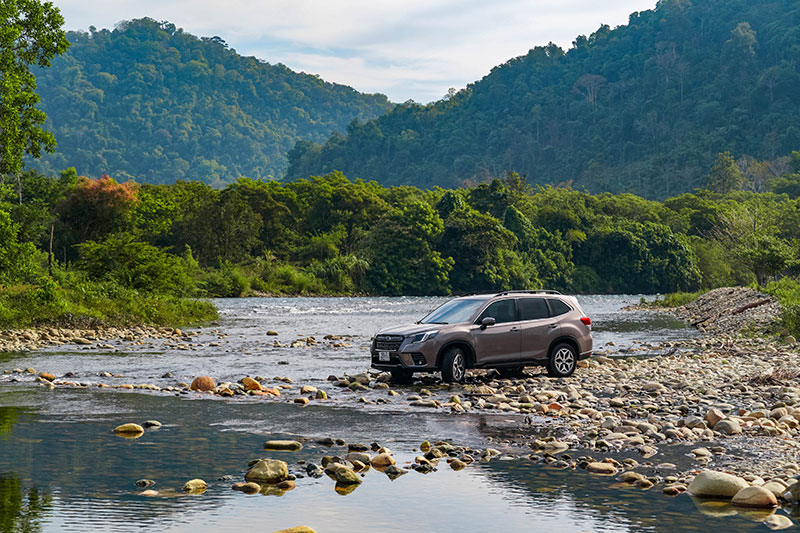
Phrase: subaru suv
{"type": "Point", "coordinates": [507, 331]}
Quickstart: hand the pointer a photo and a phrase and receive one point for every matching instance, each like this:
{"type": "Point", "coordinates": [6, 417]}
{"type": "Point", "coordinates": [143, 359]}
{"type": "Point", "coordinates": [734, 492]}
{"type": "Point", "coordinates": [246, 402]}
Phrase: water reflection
{"type": "Point", "coordinates": [64, 442]}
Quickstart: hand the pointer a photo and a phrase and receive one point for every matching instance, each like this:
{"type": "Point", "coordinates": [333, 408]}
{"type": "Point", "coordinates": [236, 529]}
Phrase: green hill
{"type": "Point", "coordinates": [642, 108]}
{"type": "Point", "coordinates": [149, 101]}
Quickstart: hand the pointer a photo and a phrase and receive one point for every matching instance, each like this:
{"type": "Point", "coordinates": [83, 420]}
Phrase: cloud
{"type": "Point", "coordinates": [412, 49]}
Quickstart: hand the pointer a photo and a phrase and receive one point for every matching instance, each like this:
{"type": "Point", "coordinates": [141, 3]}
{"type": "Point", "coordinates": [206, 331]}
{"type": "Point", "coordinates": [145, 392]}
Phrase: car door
{"type": "Point", "coordinates": [536, 326]}
{"type": "Point", "coordinates": [498, 343]}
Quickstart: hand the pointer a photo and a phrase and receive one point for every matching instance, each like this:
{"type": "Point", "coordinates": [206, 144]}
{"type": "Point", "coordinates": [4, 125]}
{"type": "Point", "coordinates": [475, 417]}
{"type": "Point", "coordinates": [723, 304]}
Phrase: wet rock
{"type": "Point", "coordinates": [203, 384]}
{"type": "Point", "coordinates": [144, 483]}
{"type": "Point", "coordinates": [267, 471]}
{"type": "Point", "coordinates": [321, 395]}
{"type": "Point", "coordinates": [457, 464]}
{"type": "Point", "coordinates": [357, 447]}
{"type": "Point", "coordinates": [152, 424]}
{"type": "Point", "coordinates": [149, 492]}
{"type": "Point", "coordinates": [711, 484]}
{"type": "Point", "coordinates": [301, 401]}
{"type": "Point", "coordinates": [297, 529]}
{"type": "Point", "coordinates": [757, 497]}
{"type": "Point", "coordinates": [777, 488]}
{"type": "Point", "coordinates": [342, 474]}
{"type": "Point", "coordinates": [286, 485]}
{"type": "Point", "coordinates": [283, 445]}
{"type": "Point", "coordinates": [631, 477]}
{"type": "Point", "coordinates": [314, 471]}
{"type": "Point", "coordinates": [358, 456]}
{"type": "Point", "coordinates": [674, 490]}
{"type": "Point", "coordinates": [382, 460]}
{"type": "Point", "coordinates": [247, 488]}
{"type": "Point", "coordinates": [195, 486]}
{"type": "Point", "coordinates": [606, 469]}
{"type": "Point", "coordinates": [129, 429]}
{"type": "Point", "coordinates": [272, 333]}
{"type": "Point", "coordinates": [47, 376]}
{"type": "Point", "coordinates": [393, 472]}
{"type": "Point", "coordinates": [250, 384]}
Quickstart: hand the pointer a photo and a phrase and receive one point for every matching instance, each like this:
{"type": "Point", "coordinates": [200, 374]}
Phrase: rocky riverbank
{"type": "Point", "coordinates": [732, 310]}
{"type": "Point", "coordinates": [25, 340]}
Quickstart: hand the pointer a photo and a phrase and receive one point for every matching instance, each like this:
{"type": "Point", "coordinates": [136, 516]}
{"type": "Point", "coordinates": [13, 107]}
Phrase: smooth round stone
{"type": "Point", "coordinates": [283, 445]}
{"type": "Point", "coordinates": [195, 486]}
{"type": "Point", "coordinates": [756, 497]}
{"type": "Point", "coordinates": [710, 483]}
{"type": "Point", "coordinates": [129, 429]}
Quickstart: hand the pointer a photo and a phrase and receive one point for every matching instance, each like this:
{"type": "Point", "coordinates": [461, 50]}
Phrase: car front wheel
{"type": "Point", "coordinates": [562, 361]}
{"type": "Point", "coordinates": [454, 366]}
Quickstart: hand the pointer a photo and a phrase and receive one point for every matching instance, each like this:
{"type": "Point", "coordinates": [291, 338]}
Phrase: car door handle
{"type": "Point", "coordinates": [515, 328]}
{"type": "Point", "coordinates": [553, 326]}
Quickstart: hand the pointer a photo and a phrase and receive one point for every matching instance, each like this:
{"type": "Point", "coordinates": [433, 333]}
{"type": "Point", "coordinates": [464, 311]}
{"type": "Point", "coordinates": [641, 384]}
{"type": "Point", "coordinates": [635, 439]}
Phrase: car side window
{"type": "Point", "coordinates": [558, 307]}
{"type": "Point", "coordinates": [501, 311]}
{"type": "Point", "coordinates": [532, 308]}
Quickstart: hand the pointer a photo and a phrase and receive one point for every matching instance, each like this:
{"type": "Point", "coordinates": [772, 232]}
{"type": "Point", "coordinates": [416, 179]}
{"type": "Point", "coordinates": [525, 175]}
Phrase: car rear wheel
{"type": "Point", "coordinates": [454, 365]}
{"type": "Point", "coordinates": [401, 376]}
{"type": "Point", "coordinates": [562, 361]}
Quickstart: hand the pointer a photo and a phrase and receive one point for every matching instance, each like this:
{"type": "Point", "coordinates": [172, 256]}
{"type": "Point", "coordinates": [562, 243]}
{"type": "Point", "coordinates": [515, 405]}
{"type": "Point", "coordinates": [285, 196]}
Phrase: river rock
{"type": "Point", "coordinates": [152, 424]}
{"type": "Point", "coordinates": [606, 469]}
{"type": "Point", "coordinates": [203, 384]}
{"type": "Point", "coordinates": [287, 484]}
{"type": "Point", "coordinates": [382, 460]}
{"type": "Point", "coordinates": [283, 445]}
{"type": "Point", "coordinates": [361, 457]}
{"type": "Point", "coordinates": [728, 426]}
{"type": "Point", "coordinates": [144, 483]}
{"type": "Point", "coordinates": [342, 474]}
{"type": "Point", "coordinates": [713, 416]}
{"type": "Point", "coordinates": [757, 497]}
{"type": "Point", "coordinates": [268, 471]}
{"type": "Point", "coordinates": [195, 486]}
{"type": "Point", "coordinates": [297, 529]}
{"type": "Point", "coordinates": [129, 429]}
{"type": "Point", "coordinates": [47, 376]}
{"type": "Point", "coordinates": [247, 488]}
{"type": "Point", "coordinates": [712, 484]}
{"type": "Point", "coordinates": [394, 472]}
{"type": "Point", "coordinates": [250, 384]}
{"type": "Point", "coordinates": [775, 487]}
{"type": "Point", "coordinates": [457, 464]}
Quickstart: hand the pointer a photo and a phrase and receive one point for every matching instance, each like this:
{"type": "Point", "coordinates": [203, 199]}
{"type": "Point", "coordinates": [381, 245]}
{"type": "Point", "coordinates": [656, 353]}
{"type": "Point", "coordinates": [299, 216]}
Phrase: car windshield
{"type": "Point", "coordinates": [453, 312]}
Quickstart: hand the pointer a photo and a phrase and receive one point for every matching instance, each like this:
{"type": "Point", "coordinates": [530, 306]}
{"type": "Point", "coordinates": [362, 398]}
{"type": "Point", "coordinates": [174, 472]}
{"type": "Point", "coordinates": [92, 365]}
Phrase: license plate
{"type": "Point", "coordinates": [383, 356]}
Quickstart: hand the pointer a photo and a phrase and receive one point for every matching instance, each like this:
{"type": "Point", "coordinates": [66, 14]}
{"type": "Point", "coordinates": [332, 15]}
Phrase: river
{"type": "Point", "coordinates": [61, 467]}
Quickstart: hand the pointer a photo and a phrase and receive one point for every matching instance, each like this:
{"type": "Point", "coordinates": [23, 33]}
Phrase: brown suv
{"type": "Point", "coordinates": [507, 331]}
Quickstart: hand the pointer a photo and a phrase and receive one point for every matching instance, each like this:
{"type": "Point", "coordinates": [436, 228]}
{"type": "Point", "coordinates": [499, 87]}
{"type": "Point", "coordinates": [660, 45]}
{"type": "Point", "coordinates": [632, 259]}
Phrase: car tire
{"type": "Point", "coordinates": [454, 365]}
{"type": "Point", "coordinates": [401, 376]}
{"type": "Point", "coordinates": [562, 361]}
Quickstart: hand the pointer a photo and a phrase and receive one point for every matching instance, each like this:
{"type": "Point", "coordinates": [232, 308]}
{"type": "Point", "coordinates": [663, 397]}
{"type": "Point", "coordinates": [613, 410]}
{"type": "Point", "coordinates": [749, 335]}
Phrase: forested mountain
{"type": "Point", "coordinates": [643, 108]}
{"type": "Point", "coordinates": [149, 101]}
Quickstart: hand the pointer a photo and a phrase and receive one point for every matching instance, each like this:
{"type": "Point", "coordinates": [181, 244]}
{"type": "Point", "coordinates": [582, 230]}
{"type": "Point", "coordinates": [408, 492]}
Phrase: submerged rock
{"type": "Point", "coordinates": [195, 486]}
{"type": "Point", "coordinates": [247, 488]}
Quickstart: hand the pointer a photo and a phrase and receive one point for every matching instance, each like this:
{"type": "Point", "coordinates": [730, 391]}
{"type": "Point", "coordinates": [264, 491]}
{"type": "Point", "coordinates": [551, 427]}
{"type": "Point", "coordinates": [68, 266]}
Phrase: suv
{"type": "Point", "coordinates": [507, 331]}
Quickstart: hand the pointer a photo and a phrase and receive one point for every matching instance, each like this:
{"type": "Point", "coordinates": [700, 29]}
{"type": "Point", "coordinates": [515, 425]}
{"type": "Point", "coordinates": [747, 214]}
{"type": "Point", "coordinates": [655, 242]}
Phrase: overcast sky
{"type": "Point", "coordinates": [411, 49]}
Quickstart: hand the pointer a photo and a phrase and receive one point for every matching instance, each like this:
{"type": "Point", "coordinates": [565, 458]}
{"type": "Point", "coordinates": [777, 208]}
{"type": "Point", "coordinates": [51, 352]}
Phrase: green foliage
{"type": "Point", "coordinates": [150, 100]}
{"type": "Point", "coordinates": [642, 108]}
{"type": "Point", "coordinates": [787, 291]}
{"type": "Point", "coordinates": [725, 176]}
{"type": "Point", "coordinates": [31, 35]}
{"type": "Point", "coordinates": [18, 260]}
{"type": "Point", "coordinates": [678, 299]}
{"type": "Point", "coordinates": [140, 266]}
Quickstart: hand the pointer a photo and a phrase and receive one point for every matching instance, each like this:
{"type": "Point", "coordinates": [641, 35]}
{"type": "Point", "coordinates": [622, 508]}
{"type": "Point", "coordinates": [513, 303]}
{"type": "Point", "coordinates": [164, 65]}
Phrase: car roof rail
{"type": "Point", "coordinates": [540, 291]}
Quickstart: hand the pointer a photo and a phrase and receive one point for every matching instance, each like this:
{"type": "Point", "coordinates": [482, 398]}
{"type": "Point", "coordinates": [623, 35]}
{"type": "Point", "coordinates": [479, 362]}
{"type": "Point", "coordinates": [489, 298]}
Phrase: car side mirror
{"type": "Point", "coordinates": [488, 321]}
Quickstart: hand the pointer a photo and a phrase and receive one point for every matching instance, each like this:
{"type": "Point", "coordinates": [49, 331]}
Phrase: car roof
{"type": "Point", "coordinates": [490, 295]}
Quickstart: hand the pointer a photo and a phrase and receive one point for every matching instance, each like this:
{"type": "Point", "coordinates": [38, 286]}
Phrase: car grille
{"type": "Point", "coordinates": [388, 343]}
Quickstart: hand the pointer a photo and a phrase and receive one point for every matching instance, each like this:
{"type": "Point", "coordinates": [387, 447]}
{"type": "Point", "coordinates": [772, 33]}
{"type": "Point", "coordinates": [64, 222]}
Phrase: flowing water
{"type": "Point", "coordinates": [61, 467]}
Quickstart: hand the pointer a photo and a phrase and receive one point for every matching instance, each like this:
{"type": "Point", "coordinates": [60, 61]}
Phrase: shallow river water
{"type": "Point", "coordinates": [62, 468]}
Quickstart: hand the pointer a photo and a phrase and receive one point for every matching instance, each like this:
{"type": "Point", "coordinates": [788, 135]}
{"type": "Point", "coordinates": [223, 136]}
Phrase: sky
{"type": "Point", "coordinates": [413, 49]}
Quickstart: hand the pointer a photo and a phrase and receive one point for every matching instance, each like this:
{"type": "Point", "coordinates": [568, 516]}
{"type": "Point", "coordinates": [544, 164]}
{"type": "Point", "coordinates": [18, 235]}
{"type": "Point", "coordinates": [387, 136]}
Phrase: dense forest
{"type": "Point", "coordinates": [642, 108]}
{"type": "Point", "coordinates": [148, 100]}
{"type": "Point", "coordinates": [330, 235]}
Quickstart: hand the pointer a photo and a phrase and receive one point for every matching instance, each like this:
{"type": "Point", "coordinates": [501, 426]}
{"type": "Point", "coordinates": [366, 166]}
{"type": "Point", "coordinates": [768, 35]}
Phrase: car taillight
{"type": "Point", "coordinates": [586, 320]}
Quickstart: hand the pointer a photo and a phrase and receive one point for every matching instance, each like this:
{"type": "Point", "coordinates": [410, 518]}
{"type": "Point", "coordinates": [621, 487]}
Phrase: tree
{"type": "Point", "coordinates": [17, 259]}
{"type": "Point", "coordinates": [31, 35]}
{"type": "Point", "coordinates": [725, 176]}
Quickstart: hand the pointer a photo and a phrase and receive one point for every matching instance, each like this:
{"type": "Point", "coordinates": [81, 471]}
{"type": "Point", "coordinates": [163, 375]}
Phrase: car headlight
{"type": "Point", "coordinates": [422, 337]}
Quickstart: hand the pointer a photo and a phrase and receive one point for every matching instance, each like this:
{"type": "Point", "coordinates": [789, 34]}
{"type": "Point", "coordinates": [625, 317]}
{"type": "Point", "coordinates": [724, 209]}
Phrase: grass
{"type": "Point", "coordinates": [96, 304]}
{"type": "Point", "coordinates": [787, 291]}
{"type": "Point", "coordinates": [677, 299]}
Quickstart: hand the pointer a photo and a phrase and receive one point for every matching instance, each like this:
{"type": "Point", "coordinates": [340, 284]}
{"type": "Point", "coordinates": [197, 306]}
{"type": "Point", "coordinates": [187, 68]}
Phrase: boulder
{"type": "Point", "coordinates": [247, 488]}
{"type": "Point", "coordinates": [728, 426]}
{"type": "Point", "coordinates": [47, 376]}
{"type": "Point", "coordinates": [154, 424]}
{"type": "Point", "coordinates": [283, 445]}
{"type": "Point", "coordinates": [129, 429]}
{"type": "Point", "coordinates": [713, 416]}
{"type": "Point", "coordinates": [342, 474]}
{"type": "Point", "coordinates": [267, 471]}
{"type": "Point", "coordinates": [382, 460]}
{"type": "Point", "coordinates": [195, 486]}
{"type": "Point", "coordinates": [778, 521]}
{"type": "Point", "coordinates": [251, 384]}
{"type": "Point", "coordinates": [202, 383]}
{"type": "Point", "coordinates": [606, 469]}
{"type": "Point", "coordinates": [712, 484]}
{"type": "Point", "coordinates": [757, 497]}
{"type": "Point", "coordinates": [775, 487]}
{"type": "Point", "coordinates": [358, 456]}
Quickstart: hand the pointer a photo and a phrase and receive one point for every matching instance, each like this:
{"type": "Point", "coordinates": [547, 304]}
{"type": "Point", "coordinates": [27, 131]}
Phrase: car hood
{"type": "Point", "coordinates": [411, 329]}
